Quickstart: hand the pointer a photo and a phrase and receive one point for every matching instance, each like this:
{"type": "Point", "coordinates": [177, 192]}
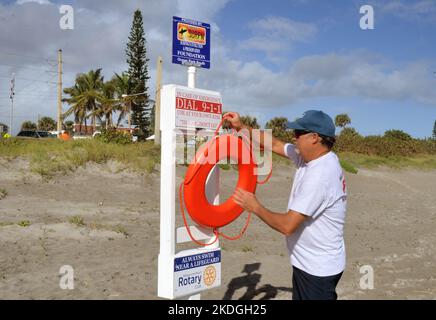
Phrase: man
{"type": "Point", "coordinates": [314, 222]}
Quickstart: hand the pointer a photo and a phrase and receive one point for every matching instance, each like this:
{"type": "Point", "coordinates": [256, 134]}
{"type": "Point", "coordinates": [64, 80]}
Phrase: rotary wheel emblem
{"type": "Point", "coordinates": [209, 275]}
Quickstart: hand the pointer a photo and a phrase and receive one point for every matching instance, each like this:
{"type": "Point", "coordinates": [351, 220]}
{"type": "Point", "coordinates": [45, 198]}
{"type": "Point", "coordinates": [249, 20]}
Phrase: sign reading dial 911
{"type": "Point", "coordinates": [197, 108]}
{"type": "Point", "coordinates": [191, 43]}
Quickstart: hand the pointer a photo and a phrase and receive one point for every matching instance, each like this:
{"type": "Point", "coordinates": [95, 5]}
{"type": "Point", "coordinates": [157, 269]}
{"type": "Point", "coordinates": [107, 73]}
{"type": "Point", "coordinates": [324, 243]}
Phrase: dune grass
{"type": "Point", "coordinates": [49, 157]}
{"type": "Point", "coordinates": [420, 162]}
{"type": "Point", "coordinates": [351, 162]}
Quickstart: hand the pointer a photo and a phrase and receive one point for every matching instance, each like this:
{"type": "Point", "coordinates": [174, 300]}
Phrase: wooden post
{"type": "Point", "coordinates": [157, 108]}
{"type": "Point", "coordinates": [59, 126]}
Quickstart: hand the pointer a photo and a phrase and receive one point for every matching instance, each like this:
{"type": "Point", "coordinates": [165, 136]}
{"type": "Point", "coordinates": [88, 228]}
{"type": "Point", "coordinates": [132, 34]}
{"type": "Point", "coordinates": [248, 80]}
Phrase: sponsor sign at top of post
{"type": "Point", "coordinates": [191, 43]}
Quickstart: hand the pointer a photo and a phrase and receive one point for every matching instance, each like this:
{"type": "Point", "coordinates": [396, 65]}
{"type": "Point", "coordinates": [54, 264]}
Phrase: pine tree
{"type": "Point", "coordinates": [434, 130]}
{"type": "Point", "coordinates": [138, 73]}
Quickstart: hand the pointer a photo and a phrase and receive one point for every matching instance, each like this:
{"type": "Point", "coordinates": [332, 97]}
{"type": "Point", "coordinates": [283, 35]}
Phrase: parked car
{"type": "Point", "coordinates": [95, 134]}
{"type": "Point", "coordinates": [38, 134]}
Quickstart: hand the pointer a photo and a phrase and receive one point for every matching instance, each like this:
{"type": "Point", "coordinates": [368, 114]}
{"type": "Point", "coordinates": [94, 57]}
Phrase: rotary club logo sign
{"type": "Point", "coordinates": [209, 276]}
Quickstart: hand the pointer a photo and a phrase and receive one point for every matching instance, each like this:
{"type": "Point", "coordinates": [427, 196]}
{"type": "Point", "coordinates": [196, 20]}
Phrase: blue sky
{"type": "Point", "coordinates": [269, 58]}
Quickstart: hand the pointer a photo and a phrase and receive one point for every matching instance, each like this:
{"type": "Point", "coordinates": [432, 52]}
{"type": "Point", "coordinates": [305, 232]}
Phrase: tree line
{"type": "Point", "coordinates": [278, 125]}
{"type": "Point", "coordinates": [125, 94]}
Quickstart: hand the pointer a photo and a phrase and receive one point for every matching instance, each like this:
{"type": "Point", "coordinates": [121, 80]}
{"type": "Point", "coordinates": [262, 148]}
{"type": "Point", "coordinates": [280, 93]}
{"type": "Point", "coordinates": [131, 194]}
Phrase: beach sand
{"type": "Point", "coordinates": [390, 227]}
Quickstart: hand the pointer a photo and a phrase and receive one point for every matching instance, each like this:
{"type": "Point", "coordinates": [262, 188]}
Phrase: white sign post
{"type": "Point", "coordinates": [185, 273]}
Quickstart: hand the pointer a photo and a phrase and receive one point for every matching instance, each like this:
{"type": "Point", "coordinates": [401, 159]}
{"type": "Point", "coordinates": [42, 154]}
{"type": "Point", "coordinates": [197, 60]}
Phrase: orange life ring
{"type": "Point", "coordinates": [197, 205]}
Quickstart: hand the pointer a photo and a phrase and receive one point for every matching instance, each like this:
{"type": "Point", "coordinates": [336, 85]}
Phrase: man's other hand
{"type": "Point", "coordinates": [234, 119]}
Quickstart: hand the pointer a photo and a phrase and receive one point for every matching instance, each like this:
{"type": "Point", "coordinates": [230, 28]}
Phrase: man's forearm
{"type": "Point", "coordinates": [278, 221]}
{"type": "Point", "coordinates": [260, 138]}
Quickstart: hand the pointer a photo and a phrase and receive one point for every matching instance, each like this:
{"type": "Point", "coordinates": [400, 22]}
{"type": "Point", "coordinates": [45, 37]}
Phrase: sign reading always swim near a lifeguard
{"type": "Point", "coordinates": [195, 272]}
{"type": "Point", "coordinates": [197, 108]}
{"type": "Point", "coordinates": [191, 42]}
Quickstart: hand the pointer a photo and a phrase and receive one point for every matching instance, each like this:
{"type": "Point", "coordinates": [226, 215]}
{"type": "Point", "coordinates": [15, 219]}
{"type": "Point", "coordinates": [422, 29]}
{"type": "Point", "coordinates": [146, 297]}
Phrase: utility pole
{"type": "Point", "coordinates": [129, 119]}
{"type": "Point", "coordinates": [59, 128]}
{"type": "Point", "coordinates": [12, 103]}
{"type": "Point", "coordinates": [157, 99]}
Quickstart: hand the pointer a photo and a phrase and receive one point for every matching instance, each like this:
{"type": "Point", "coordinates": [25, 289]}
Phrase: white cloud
{"type": "Point", "coordinates": [277, 35]}
{"type": "Point", "coordinates": [284, 28]}
{"type": "Point", "coordinates": [204, 11]}
{"type": "Point", "coordinates": [20, 2]}
{"type": "Point", "coordinates": [253, 88]}
{"type": "Point", "coordinates": [417, 11]}
{"type": "Point", "coordinates": [100, 36]}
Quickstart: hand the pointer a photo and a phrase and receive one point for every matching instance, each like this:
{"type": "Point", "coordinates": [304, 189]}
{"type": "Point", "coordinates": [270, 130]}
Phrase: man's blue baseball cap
{"type": "Point", "coordinates": [314, 121]}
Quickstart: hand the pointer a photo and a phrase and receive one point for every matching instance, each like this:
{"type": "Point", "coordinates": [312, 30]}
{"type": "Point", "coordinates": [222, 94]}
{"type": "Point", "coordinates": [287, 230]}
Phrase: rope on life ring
{"type": "Point", "coordinates": [192, 189]}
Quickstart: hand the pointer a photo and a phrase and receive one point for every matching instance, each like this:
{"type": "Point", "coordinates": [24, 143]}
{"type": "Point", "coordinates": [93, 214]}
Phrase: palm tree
{"type": "Point", "coordinates": [107, 103]}
{"type": "Point", "coordinates": [92, 82]}
{"type": "Point", "coordinates": [247, 120]}
{"type": "Point", "coordinates": [124, 86]}
{"type": "Point", "coordinates": [77, 107]}
{"type": "Point", "coordinates": [341, 120]}
{"type": "Point", "coordinates": [84, 96]}
{"type": "Point", "coordinates": [278, 125]}
{"type": "Point", "coordinates": [250, 121]}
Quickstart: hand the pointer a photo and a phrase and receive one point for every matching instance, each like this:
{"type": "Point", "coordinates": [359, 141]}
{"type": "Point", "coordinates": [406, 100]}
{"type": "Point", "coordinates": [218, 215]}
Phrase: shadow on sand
{"type": "Point", "coordinates": [250, 281]}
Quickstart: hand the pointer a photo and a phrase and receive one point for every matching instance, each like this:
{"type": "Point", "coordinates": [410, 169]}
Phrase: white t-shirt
{"type": "Point", "coordinates": [319, 192]}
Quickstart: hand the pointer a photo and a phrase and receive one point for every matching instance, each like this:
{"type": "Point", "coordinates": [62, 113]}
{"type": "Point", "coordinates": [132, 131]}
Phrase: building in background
{"type": "Point", "coordinates": [3, 129]}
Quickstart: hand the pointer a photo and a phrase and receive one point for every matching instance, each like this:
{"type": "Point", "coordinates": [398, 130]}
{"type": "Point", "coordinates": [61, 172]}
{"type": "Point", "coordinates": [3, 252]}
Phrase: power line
{"type": "Point", "coordinates": [27, 56]}
{"type": "Point", "coordinates": [19, 116]}
{"type": "Point", "coordinates": [26, 79]}
{"type": "Point", "coordinates": [27, 67]}
{"type": "Point", "coordinates": [25, 95]}
{"type": "Point", "coordinates": [33, 83]}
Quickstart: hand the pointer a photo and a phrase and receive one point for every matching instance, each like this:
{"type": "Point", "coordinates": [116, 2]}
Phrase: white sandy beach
{"type": "Point", "coordinates": [390, 226]}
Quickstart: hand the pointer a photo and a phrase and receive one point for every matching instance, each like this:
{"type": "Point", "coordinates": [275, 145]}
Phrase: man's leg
{"type": "Point", "coordinates": [308, 287]}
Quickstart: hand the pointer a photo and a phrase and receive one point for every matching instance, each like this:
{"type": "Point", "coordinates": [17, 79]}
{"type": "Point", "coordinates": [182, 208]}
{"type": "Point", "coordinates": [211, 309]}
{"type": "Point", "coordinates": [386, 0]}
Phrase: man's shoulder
{"type": "Point", "coordinates": [328, 160]}
{"type": "Point", "coordinates": [325, 168]}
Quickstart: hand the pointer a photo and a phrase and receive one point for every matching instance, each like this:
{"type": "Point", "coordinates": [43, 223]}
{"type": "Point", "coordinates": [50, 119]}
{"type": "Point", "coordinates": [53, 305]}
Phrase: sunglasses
{"type": "Point", "coordinates": [299, 133]}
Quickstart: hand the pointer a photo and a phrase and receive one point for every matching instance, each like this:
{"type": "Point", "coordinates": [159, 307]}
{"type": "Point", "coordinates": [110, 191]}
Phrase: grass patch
{"type": "Point", "coordinates": [52, 156]}
{"type": "Point", "coordinates": [247, 249]}
{"type": "Point", "coordinates": [3, 193]}
{"type": "Point", "coordinates": [5, 224]}
{"type": "Point", "coordinates": [24, 223]}
{"type": "Point", "coordinates": [420, 162]}
{"type": "Point", "coordinates": [121, 229]}
{"type": "Point", "coordinates": [347, 166]}
{"type": "Point", "coordinates": [118, 228]}
{"type": "Point", "coordinates": [77, 220]}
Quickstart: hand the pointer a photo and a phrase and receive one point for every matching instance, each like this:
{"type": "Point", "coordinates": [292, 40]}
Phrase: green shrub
{"type": "Point", "coordinates": [392, 143]}
{"type": "Point", "coordinates": [398, 134]}
{"type": "Point", "coordinates": [348, 140]}
{"type": "Point", "coordinates": [114, 136]}
{"type": "Point", "coordinates": [349, 132]}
